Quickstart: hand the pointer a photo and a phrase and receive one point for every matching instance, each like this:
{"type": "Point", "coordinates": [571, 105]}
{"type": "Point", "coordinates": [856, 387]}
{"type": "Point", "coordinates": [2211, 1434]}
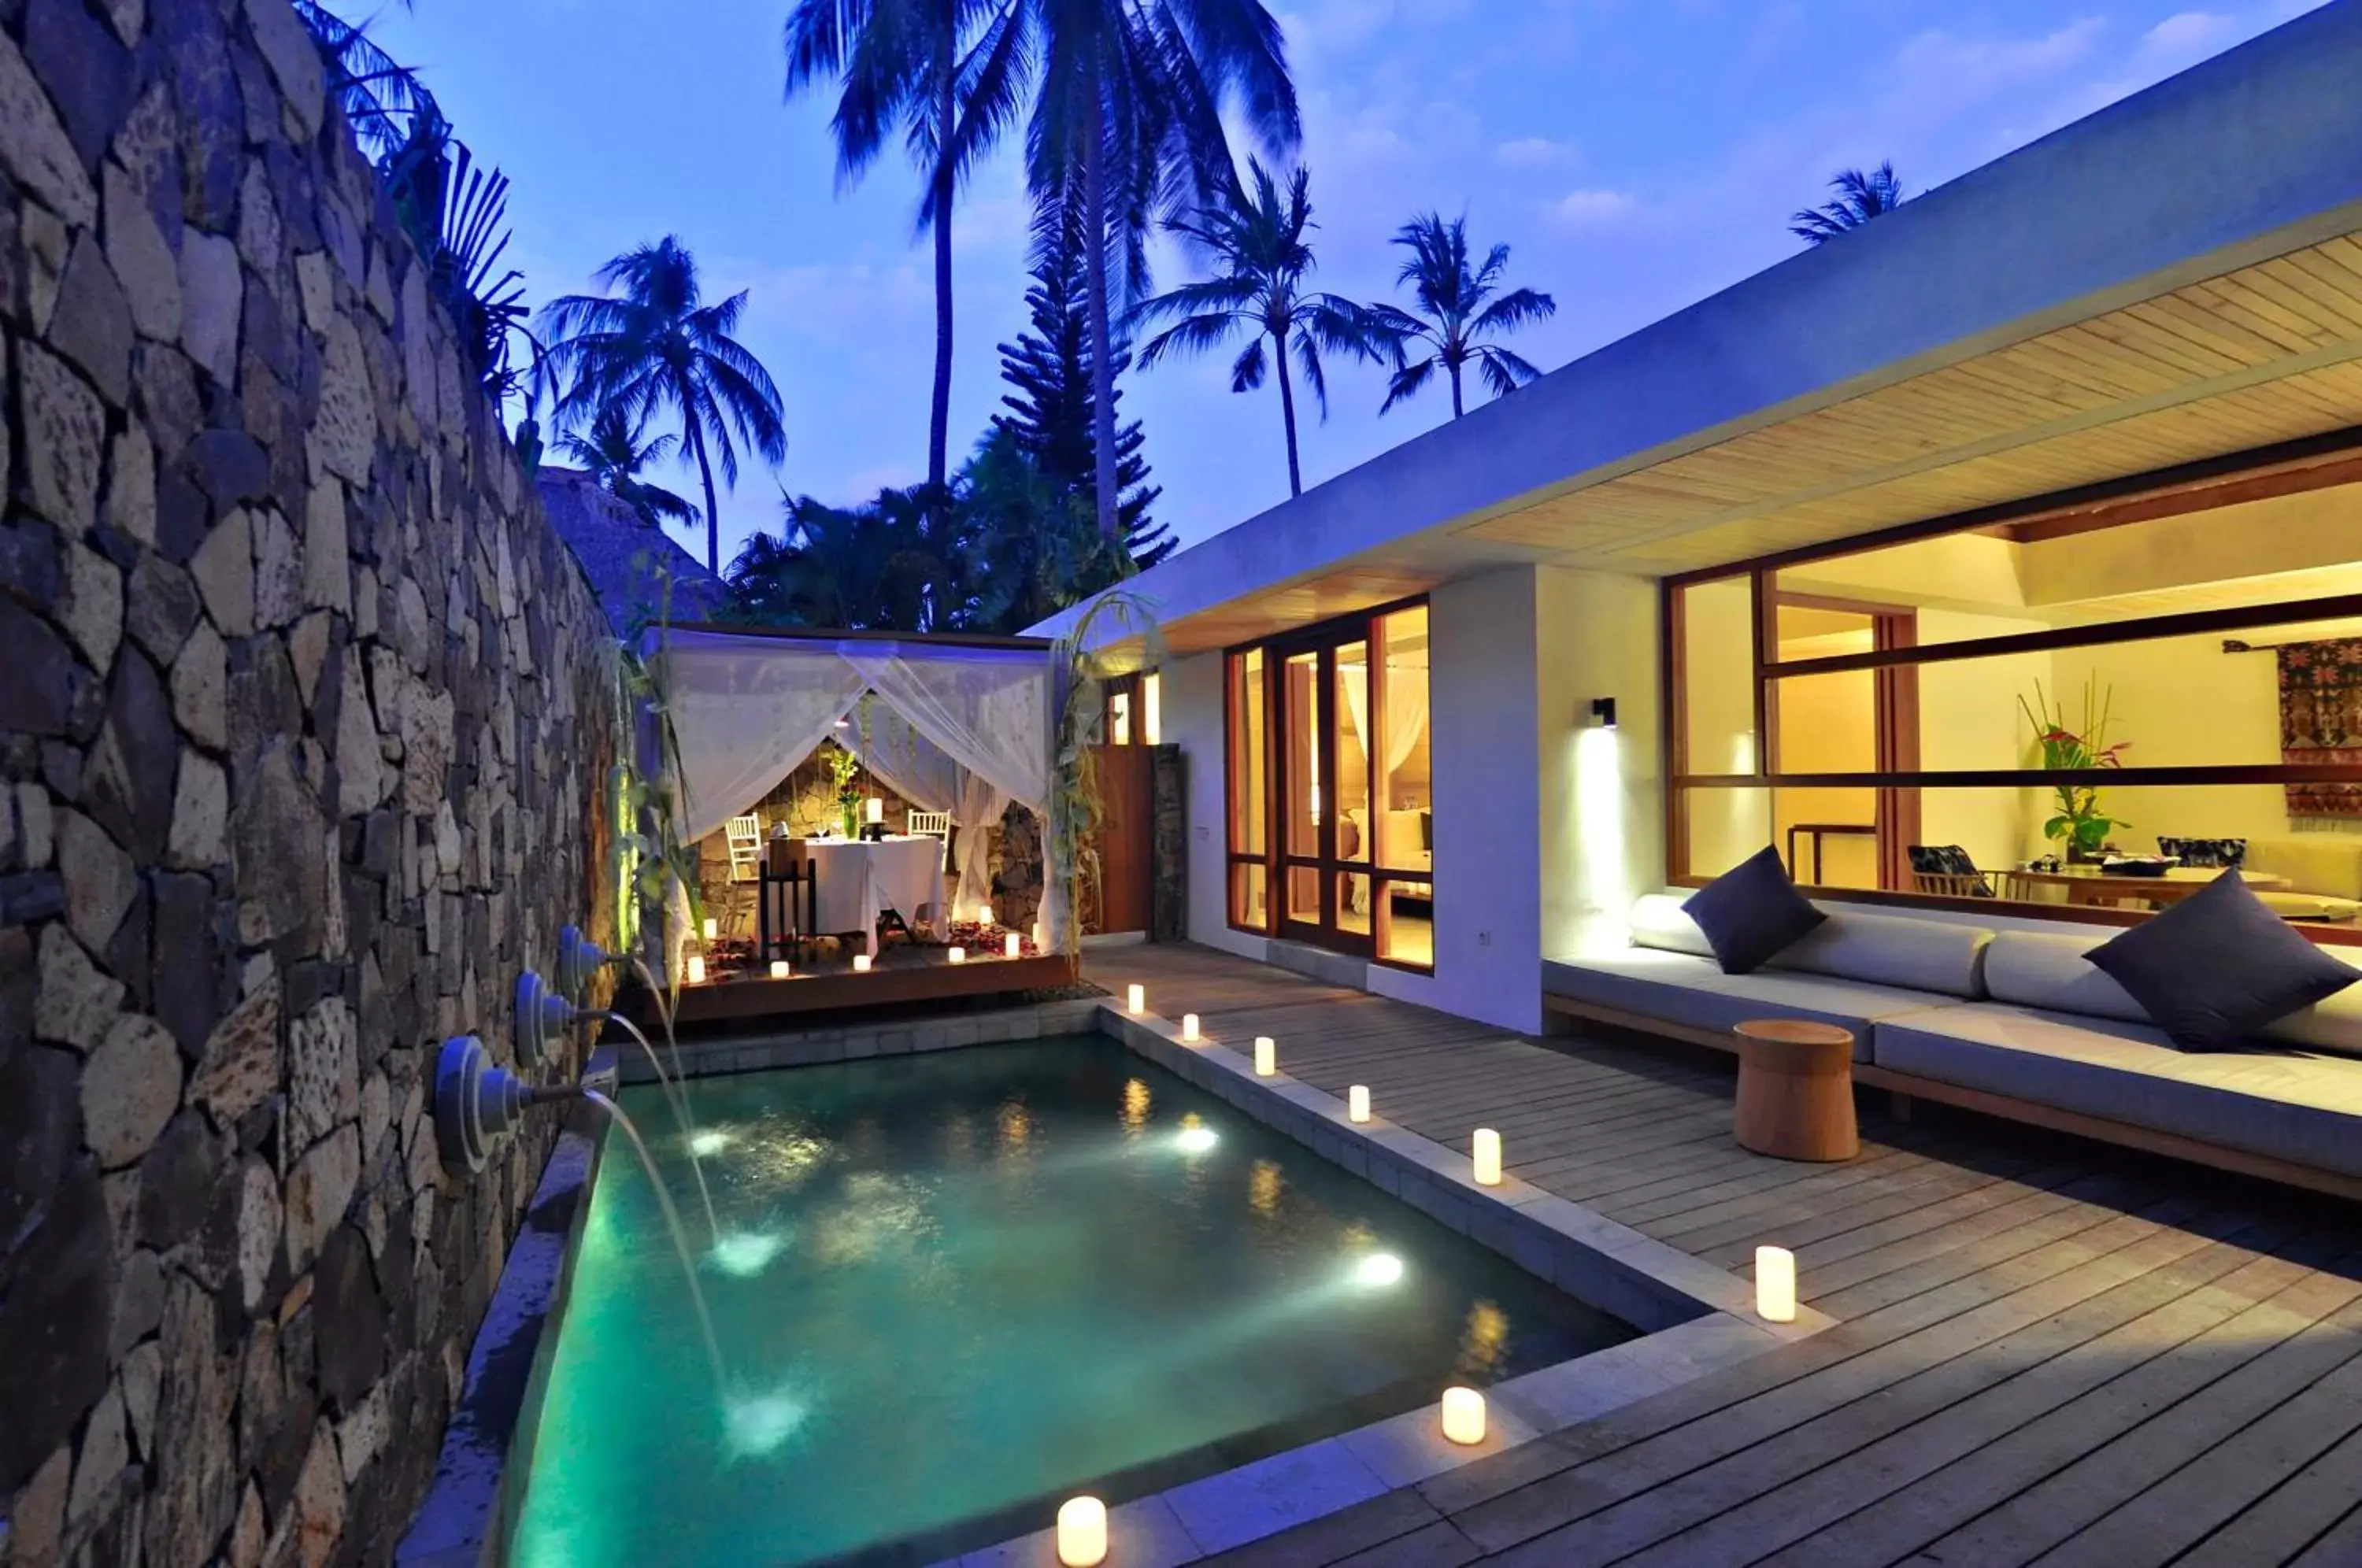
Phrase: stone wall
{"type": "Point", "coordinates": [302, 715]}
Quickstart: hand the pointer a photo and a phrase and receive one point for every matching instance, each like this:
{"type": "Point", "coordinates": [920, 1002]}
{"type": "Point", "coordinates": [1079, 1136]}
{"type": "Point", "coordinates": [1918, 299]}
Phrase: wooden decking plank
{"type": "Point", "coordinates": [1830, 1465]}
{"type": "Point", "coordinates": [2282, 1523]}
{"type": "Point", "coordinates": [2069, 1497]}
{"type": "Point", "coordinates": [1641, 1207]}
{"type": "Point", "coordinates": [1322, 1542]}
{"type": "Point", "coordinates": [2339, 1546]}
{"type": "Point", "coordinates": [2005, 1210]}
{"type": "Point", "coordinates": [1951, 1321]}
{"type": "Point", "coordinates": [1819, 1202]}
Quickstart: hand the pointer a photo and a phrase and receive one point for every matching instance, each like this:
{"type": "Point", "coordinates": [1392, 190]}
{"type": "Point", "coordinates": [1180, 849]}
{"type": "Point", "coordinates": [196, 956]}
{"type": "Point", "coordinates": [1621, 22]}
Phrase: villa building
{"type": "Point", "coordinates": [1797, 566]}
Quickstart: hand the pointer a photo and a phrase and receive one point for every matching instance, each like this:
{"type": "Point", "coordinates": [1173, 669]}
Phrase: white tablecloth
{"type": "Point", "coordinates": [859, 879]}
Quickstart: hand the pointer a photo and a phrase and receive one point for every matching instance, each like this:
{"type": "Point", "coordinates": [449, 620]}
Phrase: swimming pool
{"type": "Point", "coordinates": [952, 1289]}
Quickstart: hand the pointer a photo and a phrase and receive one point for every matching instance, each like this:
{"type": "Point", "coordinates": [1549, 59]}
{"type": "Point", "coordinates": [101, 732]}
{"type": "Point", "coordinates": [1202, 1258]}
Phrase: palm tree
{"type": "Point", "coordinates": [1860, 197]}
{"type": "Point", "coordinates": [1127, 120]}
{"type": "Point", "coordinates": [1257, 244]}
{"type": "Point", "coordinates": [889, 564]}
{"type": "Point", "coordinates": [1454, 315]}
{"type": "Point", "coordinates": [613, 453]}
{"type": "Point", "coordinates": [903, 60]}
{"type": "Point", "coordinates": [657, 348]}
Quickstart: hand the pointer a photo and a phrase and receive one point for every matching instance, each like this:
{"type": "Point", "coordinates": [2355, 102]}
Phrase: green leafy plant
{"type": "Point", "coordinates": [2079, 821]}
{"type": "Point", "coordinates": [845, 772]}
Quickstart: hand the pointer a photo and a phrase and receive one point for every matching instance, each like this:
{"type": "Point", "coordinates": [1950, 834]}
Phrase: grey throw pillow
{"type": "Point", "coordinates": [1752, 912]}
{"type": "Point", "coordinates": [2217, 967]}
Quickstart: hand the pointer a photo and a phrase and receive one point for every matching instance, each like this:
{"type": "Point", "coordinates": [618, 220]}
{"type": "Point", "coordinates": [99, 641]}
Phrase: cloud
{"type": "Point", "coordinates": [1536, 152]}
{"type": "Point", "coordinates": [2189, 35]}
{"type": "Point", "coordinates": [1585, 209]}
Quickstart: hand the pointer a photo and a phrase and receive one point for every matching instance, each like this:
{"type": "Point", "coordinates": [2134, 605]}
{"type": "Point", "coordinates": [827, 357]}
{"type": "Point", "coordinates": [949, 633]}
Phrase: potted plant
{"type": "Point", "coordinates": [2079, 821]}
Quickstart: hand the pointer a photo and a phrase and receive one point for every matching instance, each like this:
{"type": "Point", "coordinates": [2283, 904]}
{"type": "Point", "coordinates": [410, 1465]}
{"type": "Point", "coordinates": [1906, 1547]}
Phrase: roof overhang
{"type": "Point", "coordinates": [2169, 281]}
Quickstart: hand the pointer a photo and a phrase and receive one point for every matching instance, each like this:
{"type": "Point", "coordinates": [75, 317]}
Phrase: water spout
{"type": "Point", "coordinates": [675, 1094]}
{"type": "Point", "coordinates": [679, 1237]}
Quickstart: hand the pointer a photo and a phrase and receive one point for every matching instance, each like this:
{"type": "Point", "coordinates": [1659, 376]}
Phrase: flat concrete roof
{"type": "Point", "coordinates": [2251, 156]}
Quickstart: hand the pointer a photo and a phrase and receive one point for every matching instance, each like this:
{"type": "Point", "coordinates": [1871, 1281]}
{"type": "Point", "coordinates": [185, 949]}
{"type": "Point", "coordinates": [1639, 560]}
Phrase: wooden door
{"type": "Point", "coordinates": [1125, 842]}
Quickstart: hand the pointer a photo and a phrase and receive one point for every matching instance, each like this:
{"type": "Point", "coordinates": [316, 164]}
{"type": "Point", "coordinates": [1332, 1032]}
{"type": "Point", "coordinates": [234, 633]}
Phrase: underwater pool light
{"type": "Point", "coordinates": [745, 1254]}
{"type": "Point", "coordinates": [1197, 1140]}
{"type": "Point", "coordinates": [710, 1142]}
{"type": "Point", "coordinates": [1378, 1268]}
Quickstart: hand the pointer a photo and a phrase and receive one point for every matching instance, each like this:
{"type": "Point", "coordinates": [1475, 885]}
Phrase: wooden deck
{"type": "Point", "coordinates": [2050, 1351]}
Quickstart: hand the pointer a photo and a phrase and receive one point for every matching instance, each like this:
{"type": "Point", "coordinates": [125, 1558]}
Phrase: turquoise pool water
{"type": "Point", "coordinates": [953, 1288]}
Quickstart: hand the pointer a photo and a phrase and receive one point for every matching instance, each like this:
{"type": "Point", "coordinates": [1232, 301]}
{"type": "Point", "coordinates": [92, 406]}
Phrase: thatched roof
{"type": "Point", "coordinates": [622, 555]}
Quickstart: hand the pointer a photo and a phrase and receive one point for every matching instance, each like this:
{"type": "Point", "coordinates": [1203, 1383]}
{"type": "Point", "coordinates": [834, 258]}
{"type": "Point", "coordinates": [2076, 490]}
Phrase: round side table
{"type": "Point", "coordinates": [1795, 1089]}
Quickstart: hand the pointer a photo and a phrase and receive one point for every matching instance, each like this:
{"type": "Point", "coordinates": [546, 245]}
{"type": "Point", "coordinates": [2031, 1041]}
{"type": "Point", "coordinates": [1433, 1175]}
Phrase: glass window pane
{"type": "Point", "coordinates": [1725, 826]}
{"type": "Point", "coordinates": [1119, 718]}
{"type": "Point", "coordinates": [1303, 888]}
{"type": "Point", "coordinates": [1249, 904]}
{"type": "Point", "coordinates": [1405, 920]}
{"type": "Point", "coordinates": [1719, 675]}
{"type": "Point", "coordinates": [1354, 903]}
{"type": "Point", "coordinates": [1352, 719]}
{"type": "Point", "coordinates": [1828, 838]}
{"type": "Point", "coordinates": [1250, 767]}
{"type": "Point", "coordinates": [1405, 828]}
{"type": "Point", "coordinates": [1300, 710]}
{"type": "Point", "coordinates": [1151, 708]}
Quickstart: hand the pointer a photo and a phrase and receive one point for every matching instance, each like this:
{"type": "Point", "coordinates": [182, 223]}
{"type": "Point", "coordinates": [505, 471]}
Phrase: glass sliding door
{"type": "Point", "coordinates": [1329, 742]}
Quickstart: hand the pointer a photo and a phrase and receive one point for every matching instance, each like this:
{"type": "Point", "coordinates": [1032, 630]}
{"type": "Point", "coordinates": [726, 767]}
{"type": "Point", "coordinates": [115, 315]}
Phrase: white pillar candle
{"type": "Point", "coordinates": [1135, 999]}
{"type": "Point", "coordinates": [958, 954]}
{"type": "Point", "coordinates": [1463, 1416]}
{"type": "Point", "coordinates": [779, 969]}
{"type": "Point", "coordinates": [984, 915]}
{"type": "Point", "coordinates": [1082, 1532]}
{"type": "Point", "coordinates": [713, 928]}
{"type": "Point", "coordinates": [696, 969]}
{"type": "Point", "coordinates": [1266, 1056]}
{"type": "Point", "coordinates": [1010, 946]}
{"type": "Point", "coordinates": [1041, 937]}
{"type": "Point", "coordinates": [1775, 1285]}
{"type": "Point", "coordinates": [861, 963]}
{"type": "Point", "coordinates": [1488, 1156]}
{"type": "Point", "coordinates": [1357, 1103]}
{"type": "Point", "coordinates": [1189, 1026]}
{"type": "Point", "coordinates": [877, 811]}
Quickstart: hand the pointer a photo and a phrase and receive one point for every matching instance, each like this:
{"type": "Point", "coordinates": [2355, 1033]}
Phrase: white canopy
{"type": "Point", "coordinates": [955, 727]}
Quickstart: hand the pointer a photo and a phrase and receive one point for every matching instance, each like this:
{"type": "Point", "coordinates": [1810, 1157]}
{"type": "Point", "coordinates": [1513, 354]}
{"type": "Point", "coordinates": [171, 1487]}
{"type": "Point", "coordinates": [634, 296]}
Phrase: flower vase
{"type": "Point", "coordinates": [852, 815]}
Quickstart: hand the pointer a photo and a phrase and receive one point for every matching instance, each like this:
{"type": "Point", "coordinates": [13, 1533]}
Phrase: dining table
{"type": "Point", "coordinates": [855, 880]}
{"type": "Point", "coordinates": [2091, 886]}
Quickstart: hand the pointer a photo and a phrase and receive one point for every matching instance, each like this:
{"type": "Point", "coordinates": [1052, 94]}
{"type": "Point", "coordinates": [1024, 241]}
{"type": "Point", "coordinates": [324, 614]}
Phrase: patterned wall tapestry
{"type": "Point", "coordinates": [2321, 721]}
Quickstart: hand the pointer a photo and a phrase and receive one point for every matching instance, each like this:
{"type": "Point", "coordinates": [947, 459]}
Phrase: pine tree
{"type": "Point", "coordinates": [1050, 421]}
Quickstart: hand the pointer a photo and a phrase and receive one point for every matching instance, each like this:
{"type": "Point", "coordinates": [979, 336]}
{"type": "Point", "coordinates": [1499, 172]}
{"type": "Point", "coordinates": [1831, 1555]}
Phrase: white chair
{"type": "Point", "coordinates": [745, 837]}
{"type": "Point", "coordinates": [935, 824]}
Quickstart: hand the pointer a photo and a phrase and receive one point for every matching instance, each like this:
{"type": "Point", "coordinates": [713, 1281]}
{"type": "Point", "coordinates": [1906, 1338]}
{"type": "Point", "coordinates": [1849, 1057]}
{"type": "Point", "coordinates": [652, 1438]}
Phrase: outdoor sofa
{"type": "Point", "coordinates": [2015, 1024]}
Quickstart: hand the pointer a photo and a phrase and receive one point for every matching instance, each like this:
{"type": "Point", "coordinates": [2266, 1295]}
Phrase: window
{"type": "Point", "coordinates": [1330, 831]}
{"type": "Point", "coordinates": [2039, 711]}
{"type": "Point", "coordinates": [1151, 708]}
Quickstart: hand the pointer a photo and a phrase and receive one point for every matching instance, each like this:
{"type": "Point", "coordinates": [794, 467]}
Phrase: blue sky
{"type": "Point", "coordinates": [1637, 154]}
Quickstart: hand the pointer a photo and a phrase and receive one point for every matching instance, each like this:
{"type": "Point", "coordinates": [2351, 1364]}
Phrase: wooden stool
{"type": "Point", "coordinates": [1795, 1089]}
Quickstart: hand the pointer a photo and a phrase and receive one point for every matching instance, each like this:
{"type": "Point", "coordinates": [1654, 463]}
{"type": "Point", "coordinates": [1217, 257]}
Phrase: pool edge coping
{"type": "Point", "coordinates": [1696, 1320]}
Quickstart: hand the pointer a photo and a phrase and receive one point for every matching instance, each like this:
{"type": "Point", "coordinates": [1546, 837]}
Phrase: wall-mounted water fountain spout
{"type": "Point", "coordinates": [477, 1102]}
{"type": "Point", "coordinates": [542, 1015]}
{"type": "Point", "coordinates": [578, 958]}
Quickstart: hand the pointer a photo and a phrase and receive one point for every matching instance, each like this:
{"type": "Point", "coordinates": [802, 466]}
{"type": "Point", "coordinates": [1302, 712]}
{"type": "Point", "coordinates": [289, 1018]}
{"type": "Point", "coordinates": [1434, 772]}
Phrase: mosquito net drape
{"type": "Point", "coordinates": [951, 728]}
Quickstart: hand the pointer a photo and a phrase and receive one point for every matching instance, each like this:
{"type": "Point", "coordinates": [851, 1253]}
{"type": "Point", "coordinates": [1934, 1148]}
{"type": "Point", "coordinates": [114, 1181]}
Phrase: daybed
{"type": "Point", "coordinates": [2016, 1023]}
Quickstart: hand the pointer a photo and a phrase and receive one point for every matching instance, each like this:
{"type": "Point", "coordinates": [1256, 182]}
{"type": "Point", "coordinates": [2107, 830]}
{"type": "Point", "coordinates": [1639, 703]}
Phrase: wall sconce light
{"type": "Point", "coordinates": [779, 969]}
{"type": "Point", "coordinates": [1189, 1026]}
{"type": "Point", "coordinates": [1010, 948]}
{"type": "Point", "coordinates": [697, 970]}
{"type": "Point", "coordinates": [1775, 1285]}
{"type": "Point", "coordinates": [957, 954]}
{"type": "Point", "coordinates": [1266, 1057]}
{"type": "Point", "coordinates": [1603, 712]}
{"type": "Point", "coordinates": [1135, 999]}
{"type": "Point", "coordinates": [1082, 1532]}
{"type": "Point", "coordinates": [1463, 1416]}
{"type": "Point", "coordinates": [1487, 1157]}
{"type": "Point", "coordinates": [1357, 1103]}
{"type": "Point", "coordinates": [861, 963]}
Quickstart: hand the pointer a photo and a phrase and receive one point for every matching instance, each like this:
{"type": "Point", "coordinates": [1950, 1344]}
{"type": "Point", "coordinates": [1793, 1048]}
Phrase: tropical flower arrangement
{"type": "Point", "coordinates": [2079, 821]}
{"type": "Point", "coordinates": [844, 770]}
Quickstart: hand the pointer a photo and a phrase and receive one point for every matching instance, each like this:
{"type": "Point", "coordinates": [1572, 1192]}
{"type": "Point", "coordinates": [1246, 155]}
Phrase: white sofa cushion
{"type": "Point", "coordinates": [2049, 971]}
{"type": "Point", "coordinates": [1685, 988]}
{"type": "Point", "coordinates": [2289, 1104]}
{"type": "Point", "coordinates": [1881, 950]}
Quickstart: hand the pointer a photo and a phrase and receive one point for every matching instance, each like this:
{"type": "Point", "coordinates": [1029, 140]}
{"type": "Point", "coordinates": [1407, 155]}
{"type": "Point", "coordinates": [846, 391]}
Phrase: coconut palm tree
{"type": "Point", "coordinates": [1127, 121]}
{"type": "Point", "coordinates": [614, 451]}
{"type": "Point", "coordinates": [1459, 305]}
{"type": "Point", "coordinates": [655, 347]}
{"type": "Point", "coordinates": [1262, 257]}
{"type": "Point", "coordinates": [1860, 197]}
{"type": "Point", "coordinates": [904, 61]}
